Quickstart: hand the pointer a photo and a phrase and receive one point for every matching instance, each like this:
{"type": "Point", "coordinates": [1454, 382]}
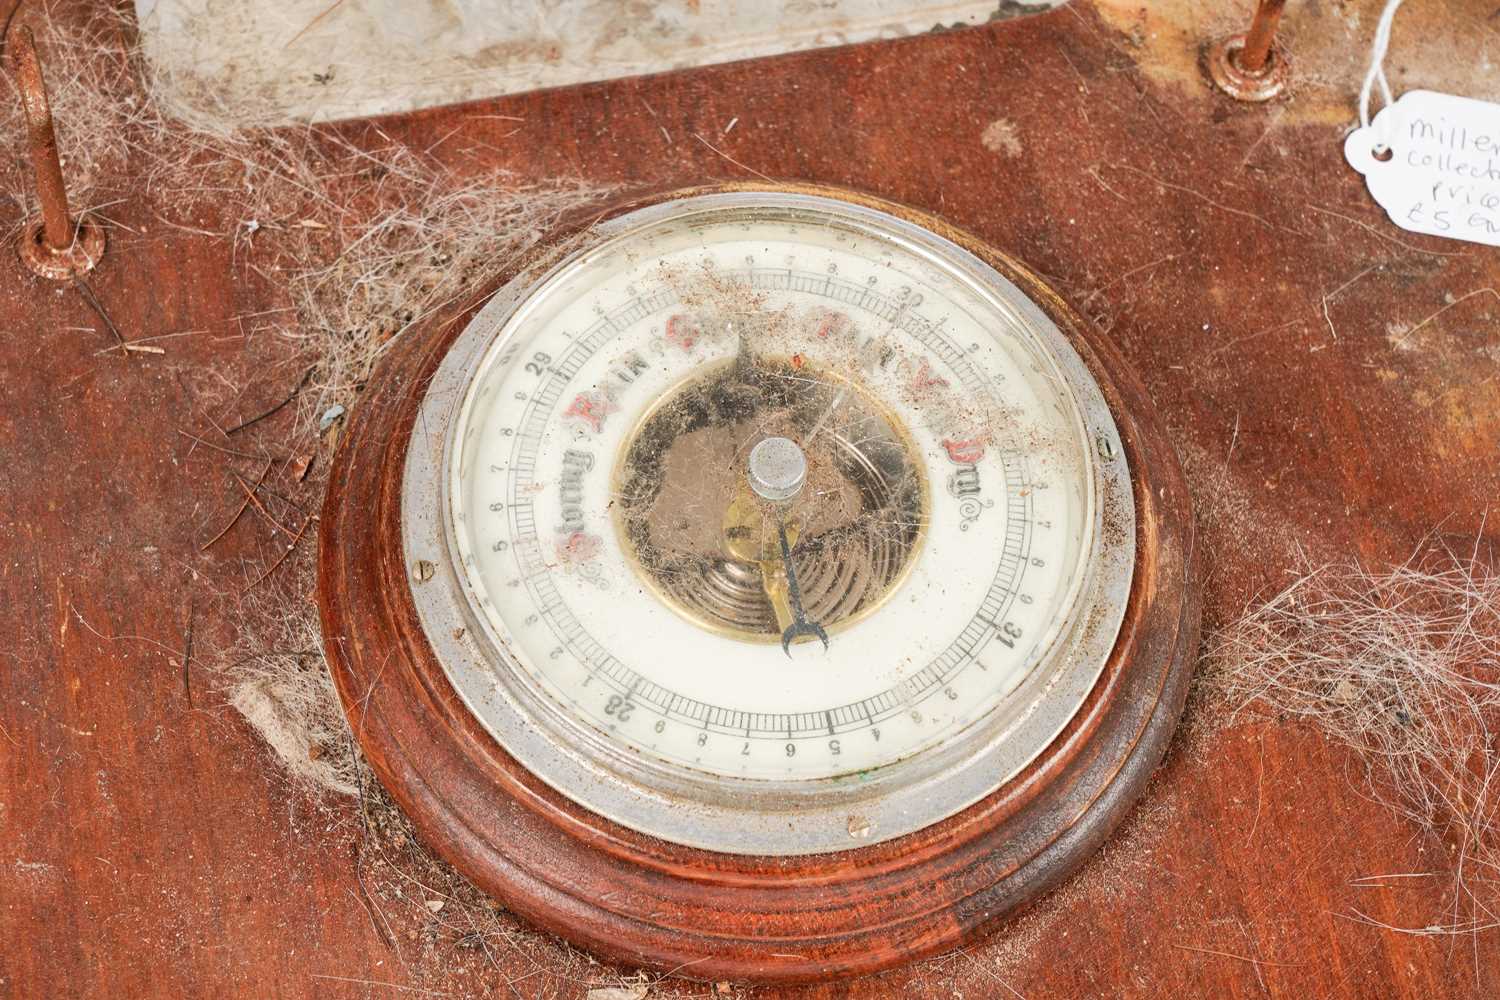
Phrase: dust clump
{"type": "Point", "coordinates": [637, 992]}
{"type": "Point", "coordinates": [437, 238]}
{"type": "Point", "coordinates": [292, 708]}
{"type": "Point", "coordinates": [277, 679]}
{"type": "Point", "coordinates": [1401, 666]}
{"type": "Point", "coordinates": [1001, 136]}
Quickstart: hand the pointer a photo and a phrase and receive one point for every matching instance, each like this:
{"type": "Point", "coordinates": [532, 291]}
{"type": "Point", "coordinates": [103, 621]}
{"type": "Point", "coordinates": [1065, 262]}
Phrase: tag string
{"type": "Point", "coordinates": [1375, 75]}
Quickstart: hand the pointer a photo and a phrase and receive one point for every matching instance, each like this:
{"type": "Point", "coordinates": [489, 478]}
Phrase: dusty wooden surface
{"type": "Point", "coordinates": [1329, 381]}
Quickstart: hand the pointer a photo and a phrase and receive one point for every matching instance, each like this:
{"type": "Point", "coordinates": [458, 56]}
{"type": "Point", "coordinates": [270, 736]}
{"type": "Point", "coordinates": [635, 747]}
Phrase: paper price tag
{"type": "Point", "coordinates": [1442, 172]}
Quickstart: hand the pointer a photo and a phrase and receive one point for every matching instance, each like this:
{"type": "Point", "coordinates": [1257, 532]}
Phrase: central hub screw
{"type": "Point", "coordinates": [778, 469]}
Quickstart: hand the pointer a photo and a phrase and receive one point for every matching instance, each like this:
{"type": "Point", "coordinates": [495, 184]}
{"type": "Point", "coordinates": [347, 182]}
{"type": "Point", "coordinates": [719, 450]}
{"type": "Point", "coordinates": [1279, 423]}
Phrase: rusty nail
{"type": "Point", "coordinates": [1251, 67]}
{"type": "Point", "coordinates": [1256, 51]}
{"type": "Point", "coordinates": [58, 248]}
{"type": "Point", "coordinates": [50, 190]}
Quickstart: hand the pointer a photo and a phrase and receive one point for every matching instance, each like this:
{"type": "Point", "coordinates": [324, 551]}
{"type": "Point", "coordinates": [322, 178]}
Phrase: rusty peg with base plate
{"type": "Point", "coordinates": [1251, 66]}
{"type": "Point", "coordinates": [54, 246]}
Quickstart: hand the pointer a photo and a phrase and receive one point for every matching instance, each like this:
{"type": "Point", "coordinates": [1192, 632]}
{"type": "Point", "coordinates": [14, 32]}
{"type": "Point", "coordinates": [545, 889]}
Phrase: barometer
{"type": "Point", "coordinates": [760, 582]}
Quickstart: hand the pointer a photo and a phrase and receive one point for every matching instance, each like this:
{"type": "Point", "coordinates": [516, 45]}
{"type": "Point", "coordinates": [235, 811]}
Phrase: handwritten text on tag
{"type": "Point", "coordinates": [1440, 173]}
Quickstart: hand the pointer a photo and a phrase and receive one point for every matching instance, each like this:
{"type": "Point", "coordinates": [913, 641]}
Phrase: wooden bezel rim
{"type": "Point", "coordinates": [715, 916]}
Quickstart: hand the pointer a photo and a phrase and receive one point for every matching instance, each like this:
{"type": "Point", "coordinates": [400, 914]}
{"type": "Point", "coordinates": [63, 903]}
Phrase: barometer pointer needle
{"type": "Point", "coordinates": [800, 625]}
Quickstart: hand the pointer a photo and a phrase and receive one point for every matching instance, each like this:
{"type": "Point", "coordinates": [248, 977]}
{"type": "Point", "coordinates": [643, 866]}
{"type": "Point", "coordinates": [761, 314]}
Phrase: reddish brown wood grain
{"type": "Point", "coordinates": [148, 846]}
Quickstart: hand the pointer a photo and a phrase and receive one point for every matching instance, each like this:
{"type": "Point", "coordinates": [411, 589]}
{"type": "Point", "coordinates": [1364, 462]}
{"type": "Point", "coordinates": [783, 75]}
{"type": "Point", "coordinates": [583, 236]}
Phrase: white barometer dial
{"type": "Point", "coordinates": [768, 523]}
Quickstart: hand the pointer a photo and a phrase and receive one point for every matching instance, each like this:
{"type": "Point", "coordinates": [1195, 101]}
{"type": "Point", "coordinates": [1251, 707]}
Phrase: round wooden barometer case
{"type": "Point", "coordinates": [760, 582]}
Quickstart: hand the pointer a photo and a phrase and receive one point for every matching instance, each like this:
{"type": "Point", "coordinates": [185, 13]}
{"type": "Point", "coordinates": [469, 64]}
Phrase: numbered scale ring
{"type": "Point", "coordinates": [764, 582]}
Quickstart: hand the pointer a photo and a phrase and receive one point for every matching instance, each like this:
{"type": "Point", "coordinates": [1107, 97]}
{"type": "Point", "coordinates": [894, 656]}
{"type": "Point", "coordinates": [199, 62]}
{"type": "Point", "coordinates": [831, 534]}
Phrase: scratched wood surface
{"type": "Point", "coordinates": [1330, 382]}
